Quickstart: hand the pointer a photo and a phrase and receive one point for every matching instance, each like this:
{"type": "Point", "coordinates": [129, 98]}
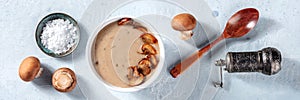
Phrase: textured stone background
{"type": "Point", "coordinates": [278, 27]}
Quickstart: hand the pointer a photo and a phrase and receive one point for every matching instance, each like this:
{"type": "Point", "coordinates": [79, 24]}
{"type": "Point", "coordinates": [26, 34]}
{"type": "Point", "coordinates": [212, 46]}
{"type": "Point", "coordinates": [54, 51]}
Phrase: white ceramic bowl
{"type": "Point", "coordinates": [151, 79]}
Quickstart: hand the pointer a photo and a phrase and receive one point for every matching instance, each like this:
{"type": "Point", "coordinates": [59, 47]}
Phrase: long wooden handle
{"type": "Point", "coordinates": [186, 63]}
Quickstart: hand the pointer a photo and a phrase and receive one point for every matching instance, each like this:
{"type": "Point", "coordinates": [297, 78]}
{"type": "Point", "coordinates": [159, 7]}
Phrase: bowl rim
{"type": "Point", "coordinates": [91, 43]}
{"type": "Point", "coordinates": [37, 37]}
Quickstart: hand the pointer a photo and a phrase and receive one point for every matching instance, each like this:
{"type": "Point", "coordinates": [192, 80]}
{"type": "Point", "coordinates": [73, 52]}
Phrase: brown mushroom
{"type": "Point", "coordinates": [64, 80]}
{"type": "Point", "coordinates": [148, 49]}
{"type": "Point", "coordinates": [134, 77]}
{"type": "Point", "coordinates": [153, 60]}
{"type": "Point", "coordinates": [125, 21]}
{"type": "Point", "coordinates": [144, 66]}
{"type": "Point", "coordinates": [148, 38]}
{"type": "Point", "coordinates": [30, 69]}
{"type": "Point", "coordinates": [184, 23]}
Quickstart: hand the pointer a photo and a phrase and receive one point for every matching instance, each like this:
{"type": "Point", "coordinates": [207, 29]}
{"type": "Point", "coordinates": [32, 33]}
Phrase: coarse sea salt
{"type": "Point", "coordinates": [59, 36]}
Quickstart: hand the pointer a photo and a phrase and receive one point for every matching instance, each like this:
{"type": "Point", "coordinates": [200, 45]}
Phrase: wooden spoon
{"type": "Point", "coordinates": [238, 25]}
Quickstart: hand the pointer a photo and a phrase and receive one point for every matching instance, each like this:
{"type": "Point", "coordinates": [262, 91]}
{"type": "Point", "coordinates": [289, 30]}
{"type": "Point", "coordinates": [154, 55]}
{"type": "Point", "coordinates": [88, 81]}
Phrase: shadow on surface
{"type": "Point", "coordinates": [46, 76]}
{"type": "Point", "coordinates": [76, 93]}
{"type": "Point", "coordinates": [201, 38]}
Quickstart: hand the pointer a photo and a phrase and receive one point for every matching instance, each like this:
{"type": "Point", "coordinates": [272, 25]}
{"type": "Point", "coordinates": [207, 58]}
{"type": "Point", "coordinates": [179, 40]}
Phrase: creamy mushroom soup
{"type": "Point", "coordinates": [117, 48]}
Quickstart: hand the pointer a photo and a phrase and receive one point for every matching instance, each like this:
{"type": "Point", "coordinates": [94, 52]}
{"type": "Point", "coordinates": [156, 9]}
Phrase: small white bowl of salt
{"type": "Point", "coordinates": [57, 35]}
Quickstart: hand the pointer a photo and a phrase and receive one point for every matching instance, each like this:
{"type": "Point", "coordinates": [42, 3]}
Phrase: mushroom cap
{"type": "Point", "coordinates": [144, 66]}
{"type": "Point", "coordinates": [183, 22]}
{"type": "Point", "coordinates": [148, 49]}
{"type": "Point", "coordinates": [148, 38]}
{"type": "Point", "coordinates": [64, 80]}
{"type": "Point", "coordinates": [29, 68]}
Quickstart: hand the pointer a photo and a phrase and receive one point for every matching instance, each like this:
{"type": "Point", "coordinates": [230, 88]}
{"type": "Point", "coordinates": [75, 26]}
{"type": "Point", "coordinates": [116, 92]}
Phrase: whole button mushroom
{"type": "Point", "coordinates": [64, 80]}
{"type": "Point", "coordinates": [30, 69]}
{"type": "Point", "coordinates": [184, 23]}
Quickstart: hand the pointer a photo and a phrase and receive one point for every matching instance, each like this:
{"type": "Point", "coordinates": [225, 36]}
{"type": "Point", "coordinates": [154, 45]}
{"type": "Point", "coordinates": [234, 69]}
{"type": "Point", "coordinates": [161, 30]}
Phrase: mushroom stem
{"type": "Point", "coordinates": [185, 35]}
{"type": "Point", "coordinates": [39, 73]}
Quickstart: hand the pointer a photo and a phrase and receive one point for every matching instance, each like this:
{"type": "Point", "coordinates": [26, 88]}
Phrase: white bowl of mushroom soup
{"type": "Point", "coordinates": [126, 54]}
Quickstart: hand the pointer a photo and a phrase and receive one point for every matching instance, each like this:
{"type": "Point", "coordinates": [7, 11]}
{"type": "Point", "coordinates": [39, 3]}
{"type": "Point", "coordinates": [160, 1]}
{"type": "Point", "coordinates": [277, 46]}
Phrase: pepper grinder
{"type": "Point", "coordinates": [266, 61]}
